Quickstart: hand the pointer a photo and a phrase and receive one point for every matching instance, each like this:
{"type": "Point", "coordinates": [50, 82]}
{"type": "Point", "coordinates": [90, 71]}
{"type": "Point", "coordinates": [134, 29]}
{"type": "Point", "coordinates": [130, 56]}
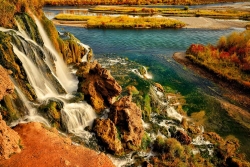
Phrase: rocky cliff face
{"type": "Point", "coordinates": [127, 117]}
{"type": "Point", "coordinates": [6, 86]}
{"type": "Point", "coordinates": [9, 139]}
{"type": "Point", "coordinates": [97, 84]}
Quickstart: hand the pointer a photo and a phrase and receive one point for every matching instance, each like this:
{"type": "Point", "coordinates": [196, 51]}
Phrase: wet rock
{"type": "Point", "coordinates": [107, 132]}
{"type": "Point", "coordinates": [97, 84]}
{"type": "Point", "coordinates": [9, 141]}
{"type": "Point", "coordinates": [183, 138]}
{"type": "Point", "coordinates": [11, 107]}
{"type": "Point", "coordinates": [128, 118]}
{"type": "Point", "coordinates": [51, 110]}
{"type": "Point", "coordinates": [159, 87]}
{"type": "Point", "coordinates": [6, 86]}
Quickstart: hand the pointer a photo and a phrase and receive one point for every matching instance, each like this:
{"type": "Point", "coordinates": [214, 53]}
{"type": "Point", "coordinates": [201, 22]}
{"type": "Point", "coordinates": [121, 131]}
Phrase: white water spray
{"type": "Point", "coordinates": [87, 50]}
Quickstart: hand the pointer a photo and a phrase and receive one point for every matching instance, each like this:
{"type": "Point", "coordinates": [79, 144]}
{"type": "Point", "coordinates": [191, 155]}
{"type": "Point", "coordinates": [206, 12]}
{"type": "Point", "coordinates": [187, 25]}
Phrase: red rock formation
{"type": "Point", "coordinates": [9, 139]}
{"type": "Point", "coordinates": [97, 84]}
{"type": "Point", "coordinates": [107, 132]}
{"type": "Point", "coordinates": [6, 86]}
{"type": "Point", "coordinates": [43, 147]}
{"type": "Point", "coordinates": [128, 117]}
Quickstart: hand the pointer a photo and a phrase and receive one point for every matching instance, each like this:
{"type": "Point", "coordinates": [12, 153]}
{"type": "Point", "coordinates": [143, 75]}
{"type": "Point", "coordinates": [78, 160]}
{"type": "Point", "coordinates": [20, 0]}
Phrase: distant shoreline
{"type": "Point", "coordinates": [191, 22]}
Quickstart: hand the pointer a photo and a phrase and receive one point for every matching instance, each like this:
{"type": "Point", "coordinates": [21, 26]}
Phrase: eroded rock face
{"type": "Point", "coordinates": [6, 86]}
{"type": "Point", "coordinates": [107, 132]}
{"type": "Point", "coordinates": [127, 116]}
{"type": "Point", "coordinates": [9, 140]}
{"type": "Point", "coordinates": [97, 84]}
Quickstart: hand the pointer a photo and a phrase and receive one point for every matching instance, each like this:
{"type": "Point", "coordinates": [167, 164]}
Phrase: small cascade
{"type": "Point", "coordinates": [32, 115]}
{"type": "Point", "coordinates": [20, 29]}
{"type": "Point", "coordinates": [68, 81]}
{"type": "Point", "coordinates": [87, 49]}
{"type": "Point", "coordinates": [143, 73]}
{"type": "Point", "coordinates": [76, 116]}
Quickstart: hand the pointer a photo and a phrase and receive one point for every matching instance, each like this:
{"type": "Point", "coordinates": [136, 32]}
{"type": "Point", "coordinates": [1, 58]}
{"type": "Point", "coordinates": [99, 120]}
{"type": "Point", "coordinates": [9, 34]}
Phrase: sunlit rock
{"type": "Point", "coordinates": [107, 132]}
{"type": "Point", "coordinates": [128, 117]}
{"type": "Point", "coordinates": [97, 84]}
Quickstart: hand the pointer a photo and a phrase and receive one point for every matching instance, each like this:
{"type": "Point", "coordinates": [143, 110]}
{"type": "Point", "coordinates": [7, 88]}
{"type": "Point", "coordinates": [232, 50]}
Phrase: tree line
{"type": "Point", "coordinates": [134, 2]}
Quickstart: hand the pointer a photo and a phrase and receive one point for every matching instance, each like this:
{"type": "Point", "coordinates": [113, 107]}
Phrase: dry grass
{"type": "Point", "coordinates": [123, 21]}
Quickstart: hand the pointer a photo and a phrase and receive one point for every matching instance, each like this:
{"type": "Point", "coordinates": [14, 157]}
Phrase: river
{"type": "Point", "coordinates": [154, 49]}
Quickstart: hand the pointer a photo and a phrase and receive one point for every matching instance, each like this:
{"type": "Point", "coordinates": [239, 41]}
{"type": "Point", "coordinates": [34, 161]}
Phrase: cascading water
{"type": "Point", "coordinates": [37, 62]}
{"type": "Point", "coordinates": [87, 49]}
{"type": "Point", "coordinates": [68, 81]}
{"type": "Point", "coordinates": [32, 115]}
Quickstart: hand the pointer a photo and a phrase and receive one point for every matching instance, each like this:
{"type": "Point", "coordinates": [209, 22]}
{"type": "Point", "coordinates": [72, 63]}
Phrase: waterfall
{"type": "Point", "coordinates": [32, 112]}
{"type": "Point", "coordinates": [68, 81]}
{"type": "Point", "coordinates": [42, 86]}
{"type": "Point", "coordinates": [50, 77]}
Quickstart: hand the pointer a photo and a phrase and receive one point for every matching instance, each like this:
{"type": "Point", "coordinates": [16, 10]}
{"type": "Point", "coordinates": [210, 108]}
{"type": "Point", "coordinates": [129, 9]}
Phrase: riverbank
{"type": "Point", "coordinates": [232, 92]}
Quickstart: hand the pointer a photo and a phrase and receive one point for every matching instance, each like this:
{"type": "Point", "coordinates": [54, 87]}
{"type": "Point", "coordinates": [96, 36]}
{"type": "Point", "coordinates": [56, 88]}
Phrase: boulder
{"type": "Point", "coordinates": [107, 133]}
{"type": "Point", "coordinates": [183, 137]}
{"type": "Point", "coordinates": [97, 84]}
{"type": "Point", "coordinates": [128, 118]}
{"type": "Point", "coordinates": [6, 86]}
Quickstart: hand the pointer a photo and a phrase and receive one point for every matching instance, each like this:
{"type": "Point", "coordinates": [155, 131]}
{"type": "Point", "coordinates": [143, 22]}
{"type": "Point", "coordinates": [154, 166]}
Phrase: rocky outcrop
{"type": "Point", "coordinates": [51, 110]}
{"type": "Point", "coordinates": [70, 49]}
{"type": "Point", "coordinates": [46, 147]}
{"type": "Point", "coordinates": [183, 137]}
{"type": "Point", "coordinates": [9, 139]}
{"type": "Point", "coordinates": [6, 86]}
{"type": "Point", "coordinates": [127, 117]}
{"type": "Point", "coordinates": [107, 132]}
{"type": "Point", "coordinates": [97, 84]}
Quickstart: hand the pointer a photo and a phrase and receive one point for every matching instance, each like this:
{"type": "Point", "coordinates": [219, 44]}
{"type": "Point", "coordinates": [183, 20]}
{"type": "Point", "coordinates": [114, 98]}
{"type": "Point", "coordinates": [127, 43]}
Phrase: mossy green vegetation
{"type": "Point", "coordinates": [161, 132]}
{"type": "Point", "coordinates": [230, 59]}
{"type": "Point", "coordinates": [123, 21]}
